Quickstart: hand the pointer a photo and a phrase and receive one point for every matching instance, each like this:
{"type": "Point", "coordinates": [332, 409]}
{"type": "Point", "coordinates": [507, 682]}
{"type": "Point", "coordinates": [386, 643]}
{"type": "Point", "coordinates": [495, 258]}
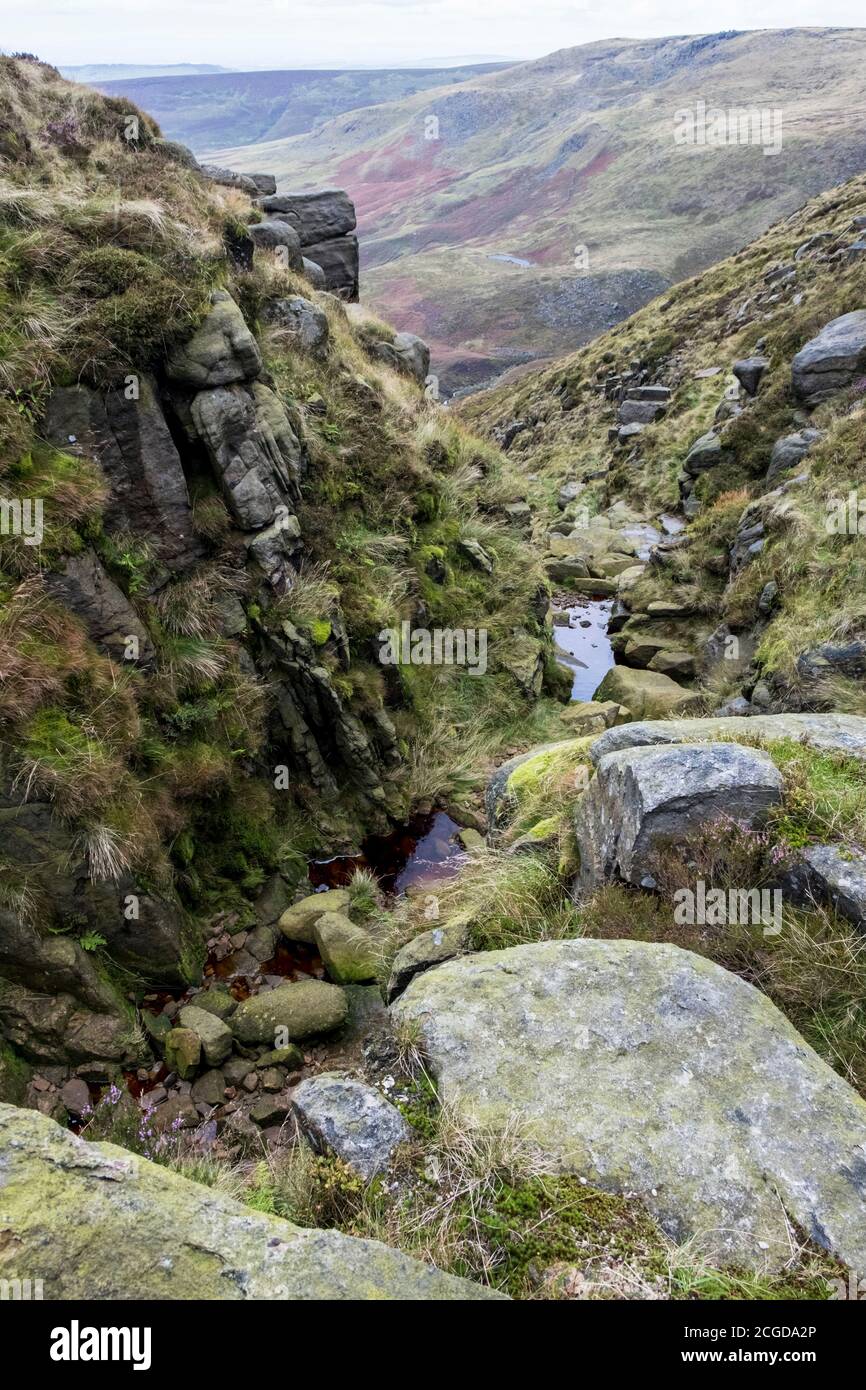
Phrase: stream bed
{"type": "Point", "coordinates": [421, 852]}
{"type": "Point", "coordinates": [583, 645]}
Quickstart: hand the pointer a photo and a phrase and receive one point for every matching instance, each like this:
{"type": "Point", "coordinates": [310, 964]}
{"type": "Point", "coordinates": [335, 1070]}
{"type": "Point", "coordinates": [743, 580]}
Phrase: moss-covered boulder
{"type": "Point", "coordinates": [221, 351]}
{"type": "Point", "coordinates": [349, 952]}
{"type": "Point", "coordinates": [648, 694]}
{"type": "Point", "coordinates": [298, 921]}
{"type": "Point", "coordinates": [525, 776]}
{"type": "Point", "coordinates": [97, 1222]}
{"type": "Point", "coordinates": [298, 1010]}
{"type": "Point", "coordinates": [647, 1069]}
{"type": "Point", "coordinates": [183, 1052]}
{"type": "Point", "coordinates": [213, 1033]}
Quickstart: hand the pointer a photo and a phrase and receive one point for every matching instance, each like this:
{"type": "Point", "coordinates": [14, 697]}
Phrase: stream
{"type": "Point", "coordinates": [583, 644]}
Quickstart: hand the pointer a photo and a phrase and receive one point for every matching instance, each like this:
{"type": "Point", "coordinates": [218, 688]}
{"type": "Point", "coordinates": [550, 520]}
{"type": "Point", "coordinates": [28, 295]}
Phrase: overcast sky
{"type": "Point", "coordinates": [346, 33]}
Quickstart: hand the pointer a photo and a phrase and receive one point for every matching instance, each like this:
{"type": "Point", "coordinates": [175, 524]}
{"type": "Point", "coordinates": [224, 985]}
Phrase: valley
{"type": "Point", "coordinates": [367, 961]}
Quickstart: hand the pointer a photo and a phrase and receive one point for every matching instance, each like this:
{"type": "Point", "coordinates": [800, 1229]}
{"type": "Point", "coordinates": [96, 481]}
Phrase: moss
{"type": "Point", "coordinates": [320, 631]}
{"type": "Point", "coordinates": [15, 1075]}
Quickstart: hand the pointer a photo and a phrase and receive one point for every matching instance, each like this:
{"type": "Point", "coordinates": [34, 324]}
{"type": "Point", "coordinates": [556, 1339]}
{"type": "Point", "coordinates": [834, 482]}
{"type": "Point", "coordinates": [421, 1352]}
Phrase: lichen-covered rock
{"type": "Point", "coordinates": [834, 874]}
{"type": "Point", "coordinates": [349, 952]}
{"type": "Point", "coordinates": [841, 733]}
{"type": "Point", "coordinates": [407, 353]}
{"type": "Point", "coordinates": [99, 1223]}
{"type": "Point", "coordinates": [649, 1070]}
{"type": "Point", "coordinates": [427, 949]}
{"type": "Point", "coordinates": [304, 322]}
{"type": "Point", "coordinates": [832, 360]}
{"type": "Point", "coordinates": [221, 351]}
{"type": "Point", "coordinates": [213, 1033]}
{"type": "Point", "coordinates": [298, 921]}
{"type": "Point", "coordinates": [342, 1116]}
{"type": "Point", "coordinates": [585, 717]}
{"type": "Point", "coordinates": [299, 1010]}
{"type": "Point", "coordinates": [641, 796]}
{"type": "Point", "coordinates": [648, 694]}
{"type": "Point", "coordinates": [183, 1051]}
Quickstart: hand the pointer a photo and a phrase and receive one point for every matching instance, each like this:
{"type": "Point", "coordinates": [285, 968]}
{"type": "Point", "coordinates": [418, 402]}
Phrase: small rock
{"type": "Point", "coordinates": [345, 1117]}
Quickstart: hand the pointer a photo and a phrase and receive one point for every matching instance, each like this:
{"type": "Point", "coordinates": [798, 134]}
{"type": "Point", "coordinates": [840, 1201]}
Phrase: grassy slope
{"type": "Point", "coordinates": [576, 148]}
{"type": "Point", "coordinates": [107, 251]}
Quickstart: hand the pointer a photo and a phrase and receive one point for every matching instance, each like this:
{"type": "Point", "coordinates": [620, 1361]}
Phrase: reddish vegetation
{"type": "Point", "coordinates": [383, 181]}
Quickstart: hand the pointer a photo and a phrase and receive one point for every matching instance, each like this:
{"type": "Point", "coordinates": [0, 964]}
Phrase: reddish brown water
{"type": "Point", "coordinates": [422, 851]}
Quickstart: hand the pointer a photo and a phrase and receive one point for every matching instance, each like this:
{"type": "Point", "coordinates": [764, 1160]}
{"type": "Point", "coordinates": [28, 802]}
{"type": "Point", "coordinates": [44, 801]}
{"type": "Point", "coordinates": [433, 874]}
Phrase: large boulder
{"type": "Point", "coordinates": [832, 360]}
{"type": "Point", "coordinates": [316, 217]}
{"type": "Point", "coordinates": [221, 351]}
{"type": "Point", "coordinates": [342, 1116]}
{"type": "Point", "coordinates": [837, 733]}
{"type": "Point", "coordinates": [641, 797]}
{"type": "Point", "coordinates": [648, 1070]}
{"type": "Point", "coordinates": [298, 1010]}
{"type": "Point", "coordinates": [99, 1223]}
{"type": "Point", "coordinates": [424, 951]}
{"type": "Point", "coordinates": [348, 952]}
{"type": "Point", "coordinates": [648, 694]}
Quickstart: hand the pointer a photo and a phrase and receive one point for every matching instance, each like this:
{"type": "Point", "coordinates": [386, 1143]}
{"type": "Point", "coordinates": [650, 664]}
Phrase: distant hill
{"type": "Point", "coordinates": [92, 73]}
{"type": "Point", "coordinates": [239, 108]}
{"type": "Point", "coordinates": [469, 238]}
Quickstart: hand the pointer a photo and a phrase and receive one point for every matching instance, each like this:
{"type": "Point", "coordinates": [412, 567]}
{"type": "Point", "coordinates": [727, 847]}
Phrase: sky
{"type": "Point", "coordinates": [361, 33]}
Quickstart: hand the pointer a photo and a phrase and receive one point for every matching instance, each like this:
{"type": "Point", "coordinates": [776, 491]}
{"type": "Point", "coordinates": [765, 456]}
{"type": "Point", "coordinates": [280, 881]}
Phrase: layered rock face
{"type": "Point", "coordinates": [208, 407]}
{"type": "Point", "coordinates": [98, 1222]}
{"type": "Point", "coordinates": [325, 225]}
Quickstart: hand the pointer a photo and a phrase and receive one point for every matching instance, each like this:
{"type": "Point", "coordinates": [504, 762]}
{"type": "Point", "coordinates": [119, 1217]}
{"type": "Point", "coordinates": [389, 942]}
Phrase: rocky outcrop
{"type": "Point", "coordinates": [253, 448]}
{"type": "Point", "coordinates": [54, 1006]}
{"type": "Point", "coordinates": [648, 1070]}
{"type": "Point", "coordinates": [221, 352]}
{"type": "Point", "coordinates": [832, 360]}
{"type": "Point", "coordinates": [643, 798]}
{"type": "Point", "coordinates": [124, 431]}
{"type": "Point", "coordinates": [316, 217]}
{"type": "Point", "coordinates": [275, 235]}
{"type": "Point", "coordinates": [345, 1117]}
{"type": "Point", "coordinates": [100, 1223]}
{"type": "Point", "coordinates": [790, 451]}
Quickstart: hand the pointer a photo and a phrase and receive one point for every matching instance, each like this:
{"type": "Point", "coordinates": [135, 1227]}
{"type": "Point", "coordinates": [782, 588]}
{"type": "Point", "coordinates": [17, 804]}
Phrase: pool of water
{"type": "Point", "coordinates": [510, 260]}
{"type": "Point", "coordinates": [423, 851]}
{"type": "Point", "coordinates": [584, 646]}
